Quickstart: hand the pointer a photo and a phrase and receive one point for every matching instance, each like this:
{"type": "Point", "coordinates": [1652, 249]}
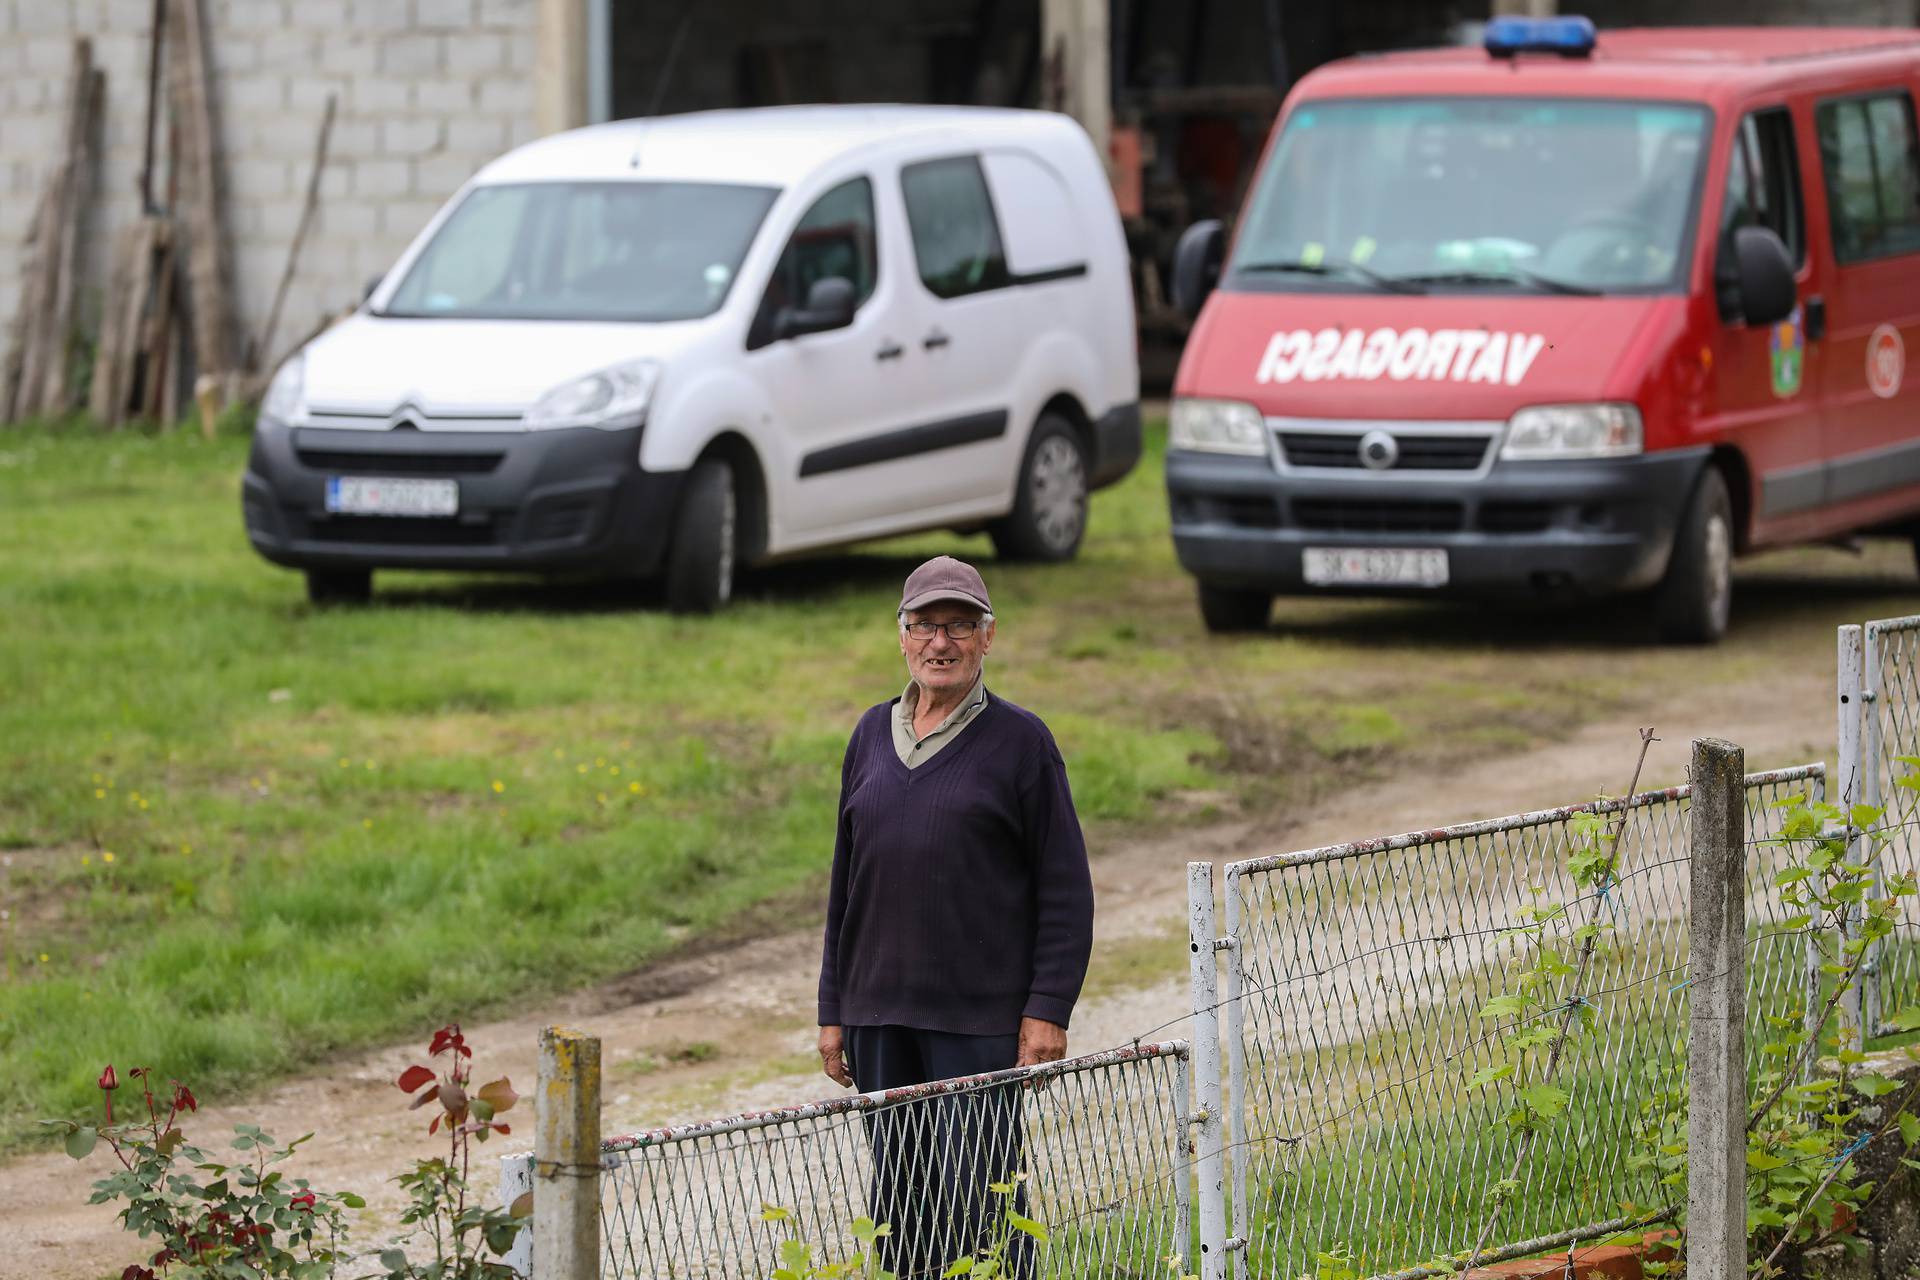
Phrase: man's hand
{"type": "Point", "coordinates": [833, 1060]}
{"type": "Point", "coordinates": [1040, 1041]}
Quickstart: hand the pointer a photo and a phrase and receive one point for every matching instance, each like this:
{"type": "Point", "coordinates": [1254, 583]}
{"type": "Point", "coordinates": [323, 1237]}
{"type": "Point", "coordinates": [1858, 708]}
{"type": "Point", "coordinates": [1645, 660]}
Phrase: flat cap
{"type": "Point", "coordinates": [944, 578]}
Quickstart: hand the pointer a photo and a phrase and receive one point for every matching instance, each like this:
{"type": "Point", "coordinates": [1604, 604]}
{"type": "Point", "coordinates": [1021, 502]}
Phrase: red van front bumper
{"type": "Point", "coordinates": [1583, 527]}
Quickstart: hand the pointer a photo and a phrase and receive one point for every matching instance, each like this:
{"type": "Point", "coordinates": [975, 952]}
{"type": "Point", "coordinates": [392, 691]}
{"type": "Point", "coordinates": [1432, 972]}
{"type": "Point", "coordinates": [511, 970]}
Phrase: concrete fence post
{"type": "Point", "coordinates": [1209, 1111]}
{"type": "Point", "coordinates": [566, 1158]}
{"type": "Point", "coordinates": [1716, 1049]}
{"type": "Point", "coordinates": [516, 1180]}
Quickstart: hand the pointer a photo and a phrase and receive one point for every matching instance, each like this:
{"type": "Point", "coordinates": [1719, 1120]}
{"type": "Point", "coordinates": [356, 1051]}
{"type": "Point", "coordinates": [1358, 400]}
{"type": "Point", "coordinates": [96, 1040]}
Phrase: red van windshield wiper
{"type": "Point", "coordinates": [1391, 284]}
{"type": "Point", "coordinates": [1514, 275]}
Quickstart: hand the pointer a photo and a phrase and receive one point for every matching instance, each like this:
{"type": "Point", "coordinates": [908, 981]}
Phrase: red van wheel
{"type": "Point", "coordinates": [1695, 599]}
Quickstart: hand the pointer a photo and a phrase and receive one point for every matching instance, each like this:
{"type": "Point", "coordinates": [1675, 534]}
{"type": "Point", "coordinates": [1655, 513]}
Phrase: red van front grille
{"type": "Point", "coordinates": [1340, 450]}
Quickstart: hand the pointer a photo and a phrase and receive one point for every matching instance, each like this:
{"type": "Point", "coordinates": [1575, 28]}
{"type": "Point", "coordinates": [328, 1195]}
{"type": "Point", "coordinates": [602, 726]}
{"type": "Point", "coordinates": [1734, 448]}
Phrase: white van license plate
{"type": "Point", "coordinates": [1375, 567]}
{"type": "Point", "coordinates": [376, 496]}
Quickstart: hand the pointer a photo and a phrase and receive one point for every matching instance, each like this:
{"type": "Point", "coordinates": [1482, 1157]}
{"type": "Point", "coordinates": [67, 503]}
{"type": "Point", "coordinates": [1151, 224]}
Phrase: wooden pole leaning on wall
{"type": "Point", "coordinates": [208, 269]}
{"type": "Point", "coordinates": [566, 1157]}
{"type": "Point", "coordinates": [1716, 1033]}
{"type": "Point", "coordinates": [258, 371]}
{"type": "Point", "coordinates": [37, 377]}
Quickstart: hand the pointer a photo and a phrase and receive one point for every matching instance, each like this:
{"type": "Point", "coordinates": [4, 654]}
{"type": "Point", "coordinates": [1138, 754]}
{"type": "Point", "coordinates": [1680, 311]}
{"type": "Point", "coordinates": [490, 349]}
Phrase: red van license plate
{"type": "Point", "coordinates": [1374, 567]}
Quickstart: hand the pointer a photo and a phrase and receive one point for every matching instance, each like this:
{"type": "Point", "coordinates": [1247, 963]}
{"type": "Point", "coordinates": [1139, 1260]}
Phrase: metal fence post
{"type": "Point", "coordinates": [1209, 1111]}
{"type": "Point", "coordinates": [1852, 777]}
{"type": "Point", "coordinates": [566, 1157]}
{"type": "Point", "coordinates": [516, 1180]}
{"type": "Point", "coordinates": [1716, 1052]}
{"type": "Point", "coordinates": [1870, 747]}
{"type": "Point", "coordinates": [1236, 1095]}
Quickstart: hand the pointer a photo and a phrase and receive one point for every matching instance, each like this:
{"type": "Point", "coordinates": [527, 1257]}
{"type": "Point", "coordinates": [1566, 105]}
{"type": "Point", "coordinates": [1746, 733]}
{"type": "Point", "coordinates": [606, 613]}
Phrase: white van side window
{"type": "Point", "coordinates": [836, 236]}
{"type": "Point", "coordinates": [1036, 216]}
{"type": "Point", "coordinates": [956, 238]}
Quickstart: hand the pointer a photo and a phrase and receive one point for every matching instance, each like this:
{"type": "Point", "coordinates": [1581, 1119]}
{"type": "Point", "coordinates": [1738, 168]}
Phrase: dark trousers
{"type": "Point", "coordinates": [934, 1158]}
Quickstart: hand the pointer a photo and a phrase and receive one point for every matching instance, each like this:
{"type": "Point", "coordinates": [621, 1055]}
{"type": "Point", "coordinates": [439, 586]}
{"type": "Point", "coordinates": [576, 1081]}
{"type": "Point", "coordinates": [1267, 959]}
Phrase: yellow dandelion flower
{"type": "Point", "coordinates": [498, 786]}
{"type": "Point", "coordinates": [143, 804]}
{"type": "Point", "coordinates": [614, 770]}
{"type": "Point", "coordinates": [99, 794]}
{"type": "Point", "coordinates": [85, 861]}
{"type": "Point", "coordinates": [186, 848]}
{"type": "Point", "coordinates": [634, 787]}
{"type": "Point", "coordinates": [369, 764]}
{"type": "Point", "coordinates": [98, 779]}
{"type": "Point", "coordinates": [344, 762]}
{"type": "Point", "coordinates": [367, 823]}
{"type": "Point", "coordinates": [580, 768]}
{"type": "Point", "coordinates": [107, 856]}
{"type": "Point", "coordinates": [43, 957]}
{"type": "Point", "coordinates": [603, 797]}
{"type": "Point", "coordinates": [600, 762]}
{"type": "Point", "coordinates": [133, 795]}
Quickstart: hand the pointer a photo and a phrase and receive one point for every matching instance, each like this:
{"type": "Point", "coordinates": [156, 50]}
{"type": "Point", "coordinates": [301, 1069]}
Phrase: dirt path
{"type": "Point", "coordinates": [733, 1030]}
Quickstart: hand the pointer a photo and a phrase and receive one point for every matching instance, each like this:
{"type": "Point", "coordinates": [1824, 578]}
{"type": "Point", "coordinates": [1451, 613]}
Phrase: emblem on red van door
{"type": "Point", "coordinates": [1886, 361]}
{"type": "Point", "coordinates": [1787, 354]}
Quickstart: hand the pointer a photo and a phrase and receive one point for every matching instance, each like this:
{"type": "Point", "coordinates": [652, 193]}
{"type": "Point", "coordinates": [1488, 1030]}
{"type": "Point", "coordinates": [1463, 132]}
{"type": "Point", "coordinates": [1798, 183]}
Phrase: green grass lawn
{"type": "Point", "coordinates": [241, 835]}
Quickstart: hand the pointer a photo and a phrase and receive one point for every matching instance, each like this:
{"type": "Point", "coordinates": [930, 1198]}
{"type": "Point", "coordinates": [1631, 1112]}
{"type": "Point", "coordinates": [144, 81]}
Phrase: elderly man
{"type": "Point", "coordinates": [960, 917]}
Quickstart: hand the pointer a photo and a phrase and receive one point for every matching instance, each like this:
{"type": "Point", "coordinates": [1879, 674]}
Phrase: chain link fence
{"type": "Point", "coordinates": [1354, 1027]}
{"type": "Point", "coordinates": [1095, 1147]}
{"type": "Point", "coordinates": [1889, 710]}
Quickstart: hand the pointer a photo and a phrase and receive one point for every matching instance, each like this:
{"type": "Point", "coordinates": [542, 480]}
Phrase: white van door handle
{"type": "Point", "coordinates": [935, 340]}
{"type": "Point", "coordinates": [892, 351]}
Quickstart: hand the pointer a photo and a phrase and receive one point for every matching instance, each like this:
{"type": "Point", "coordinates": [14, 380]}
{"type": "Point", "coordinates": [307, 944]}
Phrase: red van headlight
{"type": "Point", "coordinates": [1543, 432]}
{"type": "Point", "coordinates": [1216, 426]}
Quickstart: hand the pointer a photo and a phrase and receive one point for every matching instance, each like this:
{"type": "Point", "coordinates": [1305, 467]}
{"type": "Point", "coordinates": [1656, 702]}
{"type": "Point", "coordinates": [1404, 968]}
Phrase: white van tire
{"type": "Point", "coordinates": [339, 586]}
{"type": "Point", "coordinates": [700, 558]}
{"type": "Point", "coordinates": [1694, 601]}
{"type": "Point", "coordinates": [1049, 515]}
{"type": "Point", "coordinates": [1229, 609]}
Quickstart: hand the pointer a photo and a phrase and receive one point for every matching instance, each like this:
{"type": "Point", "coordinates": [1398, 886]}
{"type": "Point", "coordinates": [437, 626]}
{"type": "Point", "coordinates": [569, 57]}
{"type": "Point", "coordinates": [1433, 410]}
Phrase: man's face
{"type": "Point", "coordinates": [941, 663]}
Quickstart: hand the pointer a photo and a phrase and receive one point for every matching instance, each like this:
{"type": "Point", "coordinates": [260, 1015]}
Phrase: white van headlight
{"type": "Point", "coordinates": [287, 390]}
{"type": "Point", "coordinates": [1548, 431]}
{"type": "Point", "coordinates": [1216, 426]}
{"type": "Point", "coordinates": [614, 397]}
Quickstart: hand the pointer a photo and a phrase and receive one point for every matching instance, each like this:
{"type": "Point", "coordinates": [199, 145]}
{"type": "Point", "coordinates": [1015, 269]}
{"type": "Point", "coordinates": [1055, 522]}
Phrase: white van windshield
{"type": "Point", "coordinates": [585, 251]}
{"type": "Point", "coordinates": [1435, 194]}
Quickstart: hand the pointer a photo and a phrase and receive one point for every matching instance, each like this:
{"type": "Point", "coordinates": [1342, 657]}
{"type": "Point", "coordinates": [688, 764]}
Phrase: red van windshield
{"type": "Point", "coordinates": [1573, 195]}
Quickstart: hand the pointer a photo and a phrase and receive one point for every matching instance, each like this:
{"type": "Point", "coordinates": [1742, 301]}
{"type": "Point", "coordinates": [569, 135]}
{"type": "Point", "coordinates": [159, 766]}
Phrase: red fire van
{"type": "Point", "coordinates": [1564, 314]}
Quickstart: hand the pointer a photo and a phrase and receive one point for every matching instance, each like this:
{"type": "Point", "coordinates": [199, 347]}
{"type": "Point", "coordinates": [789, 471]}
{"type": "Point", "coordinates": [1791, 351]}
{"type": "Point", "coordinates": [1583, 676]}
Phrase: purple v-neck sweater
{"type": "Point", "coordinates": [961, 899]}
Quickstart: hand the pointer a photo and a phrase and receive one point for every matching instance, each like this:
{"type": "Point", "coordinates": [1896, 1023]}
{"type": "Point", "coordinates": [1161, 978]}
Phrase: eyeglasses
{"type": "Point", "coordinates": [961, 630]}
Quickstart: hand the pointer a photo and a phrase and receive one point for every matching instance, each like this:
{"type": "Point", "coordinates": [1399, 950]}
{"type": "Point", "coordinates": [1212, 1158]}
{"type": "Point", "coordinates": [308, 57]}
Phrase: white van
{"type": "Point", "coordinates": [670, 346]}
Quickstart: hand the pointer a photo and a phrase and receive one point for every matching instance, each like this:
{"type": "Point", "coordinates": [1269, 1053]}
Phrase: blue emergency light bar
{"type": "Point", "coordinates": [1570, 37]}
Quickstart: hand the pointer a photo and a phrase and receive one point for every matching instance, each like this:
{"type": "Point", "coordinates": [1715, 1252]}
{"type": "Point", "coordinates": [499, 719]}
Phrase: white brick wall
{"type": "Point", "coordinates": [425, 100]}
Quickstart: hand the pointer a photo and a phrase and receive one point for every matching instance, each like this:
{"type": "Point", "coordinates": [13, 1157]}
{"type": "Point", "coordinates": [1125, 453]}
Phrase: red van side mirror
{"type": "Point", "coordinates": [1762, 275]}
{"type": "Point", "coordinates": [1196, 264]}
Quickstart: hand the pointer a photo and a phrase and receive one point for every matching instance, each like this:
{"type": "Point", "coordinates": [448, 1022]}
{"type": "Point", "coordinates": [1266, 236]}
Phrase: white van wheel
{"type": "Point", "coordinates": [1695, 600]}
{"type": "Point", "coordinates": [700, 559]}
{"type": "Point", "coordinates": [1049, 515]}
